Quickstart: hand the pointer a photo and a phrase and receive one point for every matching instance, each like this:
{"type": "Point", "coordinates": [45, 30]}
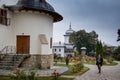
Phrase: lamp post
{"type": "Point", "coordinates": [83, 52]}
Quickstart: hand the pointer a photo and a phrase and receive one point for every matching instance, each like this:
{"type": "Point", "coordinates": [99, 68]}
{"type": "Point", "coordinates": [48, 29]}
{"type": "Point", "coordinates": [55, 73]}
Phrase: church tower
{"type": "Point", "coordinates": [68, 46]}
{"type": "Point", "coordinates": [67, 34]}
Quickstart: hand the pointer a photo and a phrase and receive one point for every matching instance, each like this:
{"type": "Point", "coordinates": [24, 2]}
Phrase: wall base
{"type": "Point", "coordinates": [39, 61]}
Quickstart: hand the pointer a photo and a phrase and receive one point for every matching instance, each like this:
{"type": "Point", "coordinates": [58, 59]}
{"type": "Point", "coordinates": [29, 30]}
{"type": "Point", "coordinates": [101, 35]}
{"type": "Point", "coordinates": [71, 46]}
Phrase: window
{"type": "Point", "coordinates": [59, 50]}
{"type": "Point", "coordinates": [55, 50]}
{"type": "Point", "coordinates": [51, 42]}
{"type": "Point", "coordinates": [3, 17]}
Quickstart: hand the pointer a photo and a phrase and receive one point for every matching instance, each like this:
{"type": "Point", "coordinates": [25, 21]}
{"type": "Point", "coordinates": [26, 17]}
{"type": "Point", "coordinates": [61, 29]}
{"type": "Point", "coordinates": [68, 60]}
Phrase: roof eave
{"type": "Point", "coordinates": [56, 16]}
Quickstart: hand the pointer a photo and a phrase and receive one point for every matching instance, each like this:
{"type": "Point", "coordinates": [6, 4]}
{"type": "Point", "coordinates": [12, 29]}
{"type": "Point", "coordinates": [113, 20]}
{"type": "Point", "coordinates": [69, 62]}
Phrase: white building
{"type": "Point", "coordinates": [66, 48]}
{"type": "Point", "coordinates": [28, 26]}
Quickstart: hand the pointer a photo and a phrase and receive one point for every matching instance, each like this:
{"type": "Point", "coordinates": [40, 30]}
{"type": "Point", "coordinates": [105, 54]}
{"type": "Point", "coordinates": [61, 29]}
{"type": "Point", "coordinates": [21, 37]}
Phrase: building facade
{"type": "Point", "coordinates": [27, 25]}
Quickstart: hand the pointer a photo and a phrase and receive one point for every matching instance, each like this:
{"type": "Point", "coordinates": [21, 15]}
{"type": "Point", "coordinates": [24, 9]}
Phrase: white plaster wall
{"type": "Point", "coordinates": [6, 37]}
{"type": "Point", "coordinates": [44, 49]}
{"type": "Point", "coordinates": [62, 52]}
{"type": "Point", "coordinates": [33, 24]}
{"type": "Point", "coordinates": [66, 39]}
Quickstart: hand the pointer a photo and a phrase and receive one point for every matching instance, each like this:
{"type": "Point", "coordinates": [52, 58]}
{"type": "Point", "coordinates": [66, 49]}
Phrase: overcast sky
{"type": "Point", "coordinates": [103, 16]}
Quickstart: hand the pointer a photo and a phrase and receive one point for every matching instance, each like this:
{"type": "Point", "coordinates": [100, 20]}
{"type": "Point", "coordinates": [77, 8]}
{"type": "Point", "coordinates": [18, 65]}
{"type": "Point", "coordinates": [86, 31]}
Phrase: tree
{"type": "Point", "coordinates": [67, 60]}
{"type": "Point", "coordinates": [118, 35]}
{"type": "Point", "coordinates": [116, 53]}
{"type": "Point", "coordinates": [82, 38]}
{"type": "Point", "coordinates": [99, 48]}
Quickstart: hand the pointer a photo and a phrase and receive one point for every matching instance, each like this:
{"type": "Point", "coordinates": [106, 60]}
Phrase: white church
{"type": "Point", "coordinates": [66, 48]}
{"type": "Point", "coordinates": [26, 27]}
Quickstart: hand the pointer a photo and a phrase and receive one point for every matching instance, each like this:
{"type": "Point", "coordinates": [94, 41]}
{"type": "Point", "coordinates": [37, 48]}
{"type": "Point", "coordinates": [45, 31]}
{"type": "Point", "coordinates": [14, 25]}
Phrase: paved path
{"type": "Point", "coordinates": [108, 73]}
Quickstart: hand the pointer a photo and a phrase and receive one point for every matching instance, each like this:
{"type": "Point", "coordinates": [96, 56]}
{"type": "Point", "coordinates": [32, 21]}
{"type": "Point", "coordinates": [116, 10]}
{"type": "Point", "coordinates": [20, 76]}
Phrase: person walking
{"type": "Point", "coordinates": [99, 63]}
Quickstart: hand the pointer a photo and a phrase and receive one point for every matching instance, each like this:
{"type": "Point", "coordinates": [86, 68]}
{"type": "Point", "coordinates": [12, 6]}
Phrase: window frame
{"type": "Point", "coordinates": [3, 17]}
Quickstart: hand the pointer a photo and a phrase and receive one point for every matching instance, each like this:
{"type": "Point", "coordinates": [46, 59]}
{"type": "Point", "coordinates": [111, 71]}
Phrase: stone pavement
{"type": "Point", "coordinates": [108, 73]}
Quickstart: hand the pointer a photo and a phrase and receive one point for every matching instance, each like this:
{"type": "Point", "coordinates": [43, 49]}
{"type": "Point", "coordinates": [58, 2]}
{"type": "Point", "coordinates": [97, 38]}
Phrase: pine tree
{"type": "Point", "coordinates": [99, 48]}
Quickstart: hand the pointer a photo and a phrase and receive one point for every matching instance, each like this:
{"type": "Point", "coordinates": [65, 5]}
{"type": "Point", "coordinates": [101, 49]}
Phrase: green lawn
{"type": "Point", "coordinates": [60, 65]}
{"type": "Point", "coordinates": [94, 63]}
{"type": "Point", "coordinates": [70, 73]}
{"type": "Point", "coordinates": [39, 78]}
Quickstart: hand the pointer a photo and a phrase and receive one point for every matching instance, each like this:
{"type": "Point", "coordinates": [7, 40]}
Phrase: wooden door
{"type": "Point", "coordinates": [23, 44]}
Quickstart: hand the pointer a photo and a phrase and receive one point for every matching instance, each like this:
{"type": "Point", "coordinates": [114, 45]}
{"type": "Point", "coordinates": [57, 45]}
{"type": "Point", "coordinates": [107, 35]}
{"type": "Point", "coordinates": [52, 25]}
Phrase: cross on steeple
{"type": "Point", "coordinates": [70, 26]}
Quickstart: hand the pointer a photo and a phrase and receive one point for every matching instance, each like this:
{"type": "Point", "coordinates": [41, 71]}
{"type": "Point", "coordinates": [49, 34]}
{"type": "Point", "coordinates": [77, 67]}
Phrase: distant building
{"type": "Point", "coordinates": [66, 48]}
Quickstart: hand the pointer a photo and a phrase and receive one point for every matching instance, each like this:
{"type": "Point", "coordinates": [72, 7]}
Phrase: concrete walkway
{"type": "Point", "coordinates": [108, 73]}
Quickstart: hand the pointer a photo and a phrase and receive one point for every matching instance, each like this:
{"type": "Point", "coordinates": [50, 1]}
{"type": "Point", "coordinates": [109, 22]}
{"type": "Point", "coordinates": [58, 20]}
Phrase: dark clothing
{"type": "Point", "coordinates": [99, 63]}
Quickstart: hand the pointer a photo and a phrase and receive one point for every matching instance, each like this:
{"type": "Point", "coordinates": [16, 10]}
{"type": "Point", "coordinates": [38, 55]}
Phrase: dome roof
{"type": "Point", "coordinates": [83, 48]}
{"type": "Point", "coordinates": [36, 5]}
{"type": "Point", "coordinates": [69, 31]}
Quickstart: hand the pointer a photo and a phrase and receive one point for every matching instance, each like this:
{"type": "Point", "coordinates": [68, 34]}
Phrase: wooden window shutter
{"type": "Point", "coordinates": [51, 42]}
{"type": "Point", "coordinates": [0, 17]}
{"type": "Point", "coordinates": [3, 17]}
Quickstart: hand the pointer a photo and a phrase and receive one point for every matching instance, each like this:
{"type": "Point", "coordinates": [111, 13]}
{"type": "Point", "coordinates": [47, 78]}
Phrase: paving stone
{"type": "Point", "coordinates": [108, 73]}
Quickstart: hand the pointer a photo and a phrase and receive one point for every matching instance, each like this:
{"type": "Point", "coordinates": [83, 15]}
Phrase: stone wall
{"type": "Point", "coordinates": [39, 61]}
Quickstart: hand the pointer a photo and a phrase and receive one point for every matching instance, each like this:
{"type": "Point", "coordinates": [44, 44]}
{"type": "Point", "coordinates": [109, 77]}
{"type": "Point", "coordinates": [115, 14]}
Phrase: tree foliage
{"type": "Point", "coordinates": [99, 48]}
{"type": "Point", "coordinates": [116, 53]}
{"type": "Point", "coordinates": [118, 35]}
{"type": "Point", "coordinates": [82, 38]}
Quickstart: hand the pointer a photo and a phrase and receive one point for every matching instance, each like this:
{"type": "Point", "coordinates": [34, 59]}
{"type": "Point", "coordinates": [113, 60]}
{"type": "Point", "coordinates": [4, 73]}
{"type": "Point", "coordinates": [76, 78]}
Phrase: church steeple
{"type": "Point", "coordinates": [70, 26]}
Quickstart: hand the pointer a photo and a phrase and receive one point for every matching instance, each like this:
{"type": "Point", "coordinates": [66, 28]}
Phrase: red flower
{"type": "Point", "coordinates": [17, 75]}
{"type": "Point", "coordinates": [17, 69]}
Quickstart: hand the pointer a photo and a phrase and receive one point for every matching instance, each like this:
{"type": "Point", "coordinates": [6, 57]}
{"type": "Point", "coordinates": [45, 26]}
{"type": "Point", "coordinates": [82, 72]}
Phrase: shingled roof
{"type": "Point", "coordinates": [36, 5]}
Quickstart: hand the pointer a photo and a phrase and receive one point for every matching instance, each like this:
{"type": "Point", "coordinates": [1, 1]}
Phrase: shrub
{"type": "Point", "coordinates": [67, 60]}
{"type": "Point", "coordinates": [105, 61]}
{"type": "Point", "coordinates": [74, 68]}
{"type": "Point", "coordinates": [110, 60]}
{"type": "Point", "coordinates": [22, 75]}
{"type": "Point", "coordinates": [55, 75]}
{"type": "Point", "coordinates": [77, 67]}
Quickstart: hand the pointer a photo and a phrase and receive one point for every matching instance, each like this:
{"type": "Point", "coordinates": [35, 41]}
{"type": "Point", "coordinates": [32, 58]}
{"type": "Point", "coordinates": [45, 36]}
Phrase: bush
{"type": "Point", "coordinates": [67, 60]}
{"type": "Point", "coordinates": [105, 61]}
{"type": "Point", "coordinates": [77, 67]}
{"type": "Point", "coordinates": [55, 75]}
{"type": "Point", "coordinates": [110, 60]}
{"type": "Point", "coordinates": [22, 75]}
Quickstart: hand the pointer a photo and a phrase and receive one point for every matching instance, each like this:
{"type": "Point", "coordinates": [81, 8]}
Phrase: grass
{"type": "Point", "coordinates": [111, 64]}
{"type": "Point", "coordinates": [60, 65]}
{"type": "Point", "coordinates": [91, 62]}
{"type": "Point", "coordinates": [94, 63]}
{"type": "Point", "coordinates": [39, 78]}
{"type": "Point", "coordinates": [85, 69]}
